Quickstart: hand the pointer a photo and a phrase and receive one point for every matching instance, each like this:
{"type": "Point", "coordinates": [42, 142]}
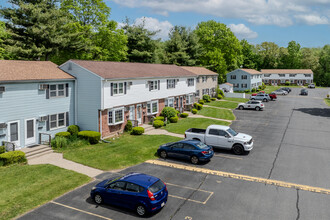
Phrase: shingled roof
{"type": "Point", "coordinates": [199, 71]}
{"type": "Point", "coordinates": [251, 71]}
{"type": "Point", "coordinates": [287, 71]}
{"type": "Point", "coordinates": [19, 70]}
{"type": "Point", "coordinates": [122, 70]}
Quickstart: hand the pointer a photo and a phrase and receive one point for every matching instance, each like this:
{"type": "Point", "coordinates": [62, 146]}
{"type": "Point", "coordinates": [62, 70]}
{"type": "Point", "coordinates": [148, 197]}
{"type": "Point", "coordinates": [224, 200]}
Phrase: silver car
{"type": "Point", "coordinates": [261, 97]}
{"type": "Point", "coordinates": [252, 104]}
{"type": "Point", "coordinates": [280, 92]}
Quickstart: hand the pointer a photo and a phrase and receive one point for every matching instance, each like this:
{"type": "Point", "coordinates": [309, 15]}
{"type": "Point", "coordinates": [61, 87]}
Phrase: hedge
{"type": "Point", "coordinates": [73, 129]}
{"type": "Point", "coordinates": [201, 102]}
{"type": "Point", "coordinates": [128, 126]}
{"type": "Point", "coordinates": [206, 97]}
{"type": "Point", "coordinates": [93, 137]}
{"type": "Point", "coordinates": [158, 123]}
{"type": "Point", "coordinates": [63, 134]}
{"type": "Point", "coordinates": [220, 96]}
{"type": "Point", "coordinates": [159, 118]}
{"type": "Point", "coordinates": [194, 111]}
{"type": "Point", "coordinates": [2, 149]}
{"type": "Point", "coordinates": [220, 92]}
{"type": "Point", "coordinates": [213, 99]}
{"type": "Point", "coordinates": [184, 115]}
{"type": "Point", "coordinates": [174, 119]}
{"type": "Point", "coordinates": [168, 112]}
{"type": "Point", "coordinates": [12, 157]}
{"type": "Point", "coordinates": [137, 131]}
{"type": "Point", "coordinates": [198, 106]}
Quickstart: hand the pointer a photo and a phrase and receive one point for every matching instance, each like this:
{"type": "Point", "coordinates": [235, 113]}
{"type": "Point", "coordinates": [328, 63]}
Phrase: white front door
{"type": "Point", "coordinates": [132, 112]}
{"type": "Point", "coordinates": [14, 132]}
{"type": "Point", "coordinates": [30, 131]}
{"type": "Point", "coordinates": [139, 113]}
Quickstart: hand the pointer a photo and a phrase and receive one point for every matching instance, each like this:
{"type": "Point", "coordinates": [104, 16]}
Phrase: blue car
{"type": "Point", "coordinates": [136, 191]}
{"type": "Point", "coordinates": [193, 150]}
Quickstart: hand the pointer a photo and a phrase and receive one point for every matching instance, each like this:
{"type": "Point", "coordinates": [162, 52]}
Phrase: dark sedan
{"type": "Point", "coordinates": [286, 89]}
{"type": "Point", "coordinates": [304, 92]}
{"type": "Point", "coordinates": [193, 150]}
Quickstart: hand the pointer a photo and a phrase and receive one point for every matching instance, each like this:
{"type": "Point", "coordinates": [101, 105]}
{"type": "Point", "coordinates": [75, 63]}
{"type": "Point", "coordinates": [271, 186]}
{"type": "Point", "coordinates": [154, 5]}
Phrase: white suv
{"type": "Point", "coordinates": [252, 104]}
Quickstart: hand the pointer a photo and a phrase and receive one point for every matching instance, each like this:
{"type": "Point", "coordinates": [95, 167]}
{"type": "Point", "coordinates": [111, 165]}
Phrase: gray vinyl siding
{"type": "Point", "coordinates": [23, 101]}
{"type": "Point", "coordinates": [241, 81]}
{"type": "Point", "coordinates": [88, 96]}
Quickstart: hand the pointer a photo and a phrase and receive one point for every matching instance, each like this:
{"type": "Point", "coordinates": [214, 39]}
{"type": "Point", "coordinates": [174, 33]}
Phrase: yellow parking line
{"type": "Point", "coordinates": [171, 184]}
{"type": "Point", "coordinates": [191, 200]}
{"type": "Point", "coordinates": [242, 177]}
{"type": "Point", "coordinates": [79, 210]}
{"type": "Point", "coordinates": [225, 156]}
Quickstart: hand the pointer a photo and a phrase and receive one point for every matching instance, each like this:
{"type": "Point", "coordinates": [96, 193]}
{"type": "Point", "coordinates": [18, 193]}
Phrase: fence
{"type": "Point", "coordinates": [235, 95]}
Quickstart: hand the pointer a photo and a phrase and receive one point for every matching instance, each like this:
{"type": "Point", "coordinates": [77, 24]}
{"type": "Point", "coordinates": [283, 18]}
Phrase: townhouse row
{"type": "Point", "coordinates": [39, 99]}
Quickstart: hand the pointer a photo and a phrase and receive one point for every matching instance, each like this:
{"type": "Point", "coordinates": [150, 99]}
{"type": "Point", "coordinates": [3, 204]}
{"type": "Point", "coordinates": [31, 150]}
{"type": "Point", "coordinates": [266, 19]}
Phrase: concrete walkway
{"type": "Point", "coordinates": [191, 115]}
{"type": "Point", "coordinates": [58, 160]}
{"type": "Point", "coordinates": [210, 106]}
{"type": "Point", "coordinates": [160, 131]}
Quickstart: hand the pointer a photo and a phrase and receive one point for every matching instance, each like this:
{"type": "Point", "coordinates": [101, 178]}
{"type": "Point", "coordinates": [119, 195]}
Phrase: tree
{"type": "Point", "coordinates": [294, 55]}
{"type": "Point", "coordinates": [322, 76]}
{"type": "Point", "coordinates": [3, 36]}
{"type": "Point", "coordinates": [269, 55]}
{"type": "Point", "coordinates": [38, 29]}
{"type": "Point", "coordinates": [250, 58]}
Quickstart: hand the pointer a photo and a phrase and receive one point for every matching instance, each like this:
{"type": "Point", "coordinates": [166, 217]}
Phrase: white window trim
{"type": "Point", "coordinates": [57, 127]}
{"type": "Point", "coordinates": [113, 88]}
{"type": "Point", "coordinates": [192, 82]}
{"type": "Point", "coordinates": [151, 112]}
{"type": "Point", "coordinates": [113, 110]}
{"type": "Point", "coordinates": [57, 91]}
{"type": "Point", "coordinates": [154, 82]}
{"type": "Point", "coordinates": [189, 99]}
{"type": "Point", "coordinates": [168, 101]}
{"type": "Point", "coordinates": [168, 83]}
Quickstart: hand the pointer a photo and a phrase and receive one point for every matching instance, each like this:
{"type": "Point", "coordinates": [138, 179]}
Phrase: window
{"type": "Point", "coordinates": [197, 93]}
{"type": "Point", "coordinates": [214, 78]}
{"type": "Point", "coordinates": [169, 102]}
{"type": "Point", "coordinates": [152, 107]}
{"type": "Point", "coordinates": [131, 187]}
{"type": "Point", "coordinates": [57, 90]}
{"type": "Point", "coordinates": [214, 132]}
{"type": "Point", "coordinates": [206, 91]}
{"type": "Point", "coordinates": [191, 82]}
{"type": "Point", "coordinates": [118, 88]}
{"type": "Point", "coordinates": [177, 145]}
{"type": "Point", "coordinates": [116, 116]}
{"type": "Point", "coordinates": [204, 78]}
{"type": "Point", "coordinates": [118, 185]}
{"type": "Point", "coordinates": [267, 75]}
{"type": "Point", "coordinates": [244, 76]}
{"type": "Point", "coordinates": [197, 80]}
{"type": "Point", "coordinates": [232, 76]}
{"type": "Point", "coordinates": [171, 83]}
{"type": "Point", "coordinates": [189, 147]}
{"type": "Point", "coordinates": [189, 99]}
{"type": "Point", "coordinates": [308, 75]}
{"type": "Point", "coordinates": [266, 80]}
{"type": "Point", "coordinates": [292, 75]}
{"type": "Point", "coordinates": [244, 85]}
{"type": "Point", "coordinates": [282, 80]}
{"type": "Point", "coordinates": [236, 85]}
{"type": "Point", "coordinates": [281, 75]}
{"type": "Point", "coordinates": [57, 121]}
{"type": "Point", "coordinates": [153, 85]}
{"type": "Point", "coordinates": [252, 76]}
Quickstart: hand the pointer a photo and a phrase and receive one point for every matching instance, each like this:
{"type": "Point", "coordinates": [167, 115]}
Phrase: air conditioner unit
{"type": "Point", "coordinates": [2, 89]}
{"type": "Point", "coordinates": [3, 125]}
{"type": "Point", "coordinates": [43, 86]}
{"type": "Point", "coordinates": [43, 118]}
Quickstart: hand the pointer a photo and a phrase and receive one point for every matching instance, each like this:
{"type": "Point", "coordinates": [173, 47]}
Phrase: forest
{"type": "Point", "coordinates": [59, 30]}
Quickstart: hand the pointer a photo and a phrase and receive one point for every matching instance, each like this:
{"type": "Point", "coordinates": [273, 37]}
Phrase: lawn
{"type": "Point", "coordinates": [127, 150]}
{"type": "Point", "coordinates": [223, 104]}
{"type": "Point", "coordinates": [24, 187]}
{"type": "Point", "coordinates": [217, 113]}
{"type": "Point", "coordinates": [236, 99]}
{"type": "Point", "coordinates": [185, 124]}
{"type": "Point", "coordinates": [327, 101]}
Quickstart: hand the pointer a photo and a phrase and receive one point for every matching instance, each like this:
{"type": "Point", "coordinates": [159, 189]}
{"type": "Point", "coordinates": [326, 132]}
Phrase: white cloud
{"type": "Point", "coordinates": [153, 24]}
{"type": "Point", "coordinates": [261, 12]}
{"type": "Point", "coordinates": [312, 19]}
{"type": "Point", "coordinates": [242, 32]}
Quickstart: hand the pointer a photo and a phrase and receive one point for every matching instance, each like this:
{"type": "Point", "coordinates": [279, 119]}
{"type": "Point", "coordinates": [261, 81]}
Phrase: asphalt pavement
{"type": "Point", "coordinates": [285, 176]}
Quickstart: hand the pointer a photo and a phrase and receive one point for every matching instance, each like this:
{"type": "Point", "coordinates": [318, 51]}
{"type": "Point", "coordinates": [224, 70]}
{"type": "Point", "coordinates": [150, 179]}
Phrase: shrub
{"type": "Point", "coordinates": [220, 92]}
{"type": "Point", "coordinates": [174, 119]}
{"type": "Point", "coordinates": [169, 112]}
{"type": "Point", "coordinates": [137, 131]}
{"type": "Point", "coordinates": [201, 102]}
{"type": "Point", "coordinates": [184, 115]}
{"type": "Point", "coordinates": [93, 137]}
{"type": "Point", "coordinates": [253, 90]}
{"type": "Point", "coordinates": [263, 86]}
{"type": "Point", "coordinates": [198, 106]}
{"type": "Point", "coordinates": [177, 113]}
{"type": "Point", "coordinates": [59, 142]}
{"type": "Point", "coordinates": [73, 129]}
{"type": "Point", "coordinates": [194, 111]}
{"type": "Point", "coordinates": [2, 149]}
{"type": "Point", "coordinates": [159, 118]}
{"type": "Point", "coordinates": [287, 83]}
{"type": "Point", "coordinates": [128, 126]}
{"type": "Point", "coordinates": [12, 157]}
{"type": "Point", "coordinates": [206, 97]}
{"type": "Point", "coordinates": [246, 91]}
{"type": "Point", "coordinates": [63, 134]}
{"type": "Point", "coordinates": [220, 96]}
{"type": "Point", "coordinates": [158, 123]}
{"type": "Point", "coordinates": [213, 99]}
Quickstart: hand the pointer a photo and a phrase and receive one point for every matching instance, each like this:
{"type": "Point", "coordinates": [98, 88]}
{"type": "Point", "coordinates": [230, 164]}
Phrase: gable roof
{"type": "Point", "coordinates": [251, 71]}
{"type": "Point", "coordinates": [122, 70]}
{"type": "Point", "coordinates": [19, 70]}
{"type": "Point", "coordinates": [287, 71]}
{"type": "Point", "coordinates": [199, 71]}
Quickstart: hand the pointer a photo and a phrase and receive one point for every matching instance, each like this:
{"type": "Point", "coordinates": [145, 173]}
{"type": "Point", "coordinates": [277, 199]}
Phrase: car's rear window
{"type": "Point", "coordinates": [156, 186]}
{"type": "Point", "coordinates": [201, 145]}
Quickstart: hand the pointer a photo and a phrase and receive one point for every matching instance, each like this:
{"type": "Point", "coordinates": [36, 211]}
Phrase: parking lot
{"type": "Point", "coordinates": [285, 176]}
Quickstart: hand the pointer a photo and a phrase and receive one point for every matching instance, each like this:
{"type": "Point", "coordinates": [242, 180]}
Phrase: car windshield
{"type": "Point", "coordinates": [201, 145]}
{"type": "Point", "coordinates": [232, 132]}
{"type": "Point", "coordinates": [156, 186]}
{"type": "Point", "coordinates": [113, 179]}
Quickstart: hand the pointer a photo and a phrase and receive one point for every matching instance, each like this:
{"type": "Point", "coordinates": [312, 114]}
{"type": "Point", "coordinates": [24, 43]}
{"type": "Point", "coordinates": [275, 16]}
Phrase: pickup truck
{"type": "Point", "coordinates": [219, 136]}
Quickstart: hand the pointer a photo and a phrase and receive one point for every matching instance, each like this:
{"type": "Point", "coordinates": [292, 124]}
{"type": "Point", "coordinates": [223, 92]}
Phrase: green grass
{"type": "Point", "coordinates": [185, 124]}
{"type": "Point", "coordinates": [236, 99]}
{"type": "Point", "coordinates": [24, 187]}
{"type": "Point", "coordinates": [327, 101]}
{"type": "Point", "coordinates": [223, 104]}
{"type": "Point", "coordinates": [127, 150]}
{"type": "Point", "coordinates": [217, 113]}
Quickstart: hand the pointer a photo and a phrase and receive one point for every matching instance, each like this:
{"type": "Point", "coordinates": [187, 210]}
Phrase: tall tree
{"type": "Point", "coordinates": [3, 36]}
{"type": "Point", "coordinates": [323, 72]}
{"type": "Point", "coordinates": [310, 58]}
{"type": "Point", "coordinates": [269, 54]}
{"type": "Point", "coordinates": [38, 29]}
{"type": "Point", "coordinates": [250, 58]}
{"type": "Point", "coordinates": [294, 55]}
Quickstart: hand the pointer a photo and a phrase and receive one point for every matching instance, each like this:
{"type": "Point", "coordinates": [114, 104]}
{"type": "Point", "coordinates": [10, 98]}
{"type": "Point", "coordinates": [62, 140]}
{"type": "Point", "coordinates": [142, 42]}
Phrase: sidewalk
{"type": "Point", "coordinates": [191, 115]}
{"type": "Point", "coordinates": [160, 131]}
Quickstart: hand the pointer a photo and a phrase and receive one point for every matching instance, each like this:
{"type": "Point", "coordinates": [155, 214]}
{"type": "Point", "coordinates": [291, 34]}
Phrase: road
{"type": "Point", "coordinates": [285, 176]}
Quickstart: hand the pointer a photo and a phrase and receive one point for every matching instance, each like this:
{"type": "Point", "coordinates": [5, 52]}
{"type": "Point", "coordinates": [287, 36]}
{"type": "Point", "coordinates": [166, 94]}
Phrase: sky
{"type": "Point", "coordinates": [305, 21]}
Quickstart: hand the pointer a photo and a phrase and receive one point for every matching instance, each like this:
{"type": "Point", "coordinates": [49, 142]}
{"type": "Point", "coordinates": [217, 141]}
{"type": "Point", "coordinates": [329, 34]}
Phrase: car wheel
{"type": "Point", "coordinates": [98, 199]}
{"type": "Point", "coordinates": [253, 99]}
{"type": "Point", "coordinates": [141, 210]}
{"type": "Point", "coordinates": [163, 154]}
{"type": "Point", "coordinates": [194, 160]}
{"type": "Point", "coordinates": [265, 100]}
{"type": "Point", "coordinates": [258, 108]}
{"type": "Point", "coordinates": [241, 107]}
{"type": "Point", "coordinates": [238, 149]}
{"type": "Point", "coordinates": [283, 93]}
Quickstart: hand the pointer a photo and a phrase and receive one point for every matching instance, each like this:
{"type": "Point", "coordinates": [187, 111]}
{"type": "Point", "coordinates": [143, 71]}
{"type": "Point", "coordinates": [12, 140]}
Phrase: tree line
{"type": "Point", "coordinates": [59, 30]}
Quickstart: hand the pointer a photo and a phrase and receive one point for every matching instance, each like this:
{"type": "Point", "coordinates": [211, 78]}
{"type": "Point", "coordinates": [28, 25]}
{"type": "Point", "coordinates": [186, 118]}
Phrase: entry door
{"type": "Point", "coordinates": [181, 101]}
{"type": "Point", "coordinates": [30, 131]}
{"type": "Point", "coordinates": [14, 132]}
{"type": "Point", "coordinates": [139, 113]}
{"type": "Point", "coordinates": [132, 112]}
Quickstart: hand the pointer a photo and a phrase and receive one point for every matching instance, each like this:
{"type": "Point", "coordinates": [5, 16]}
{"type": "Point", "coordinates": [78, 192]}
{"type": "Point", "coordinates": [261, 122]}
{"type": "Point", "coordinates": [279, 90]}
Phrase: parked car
{"type": "Point", "coordinates": [286, 89]}
{"type": "Point", "coordinates": [280, 92]}
{"type": "Point", "coordinates": [136, 191]}
{"type": "Point", "coordinates": [193, 150]}
{"type": "Point", "coordinates": [219, 136]}
{"type": "Point", "coordinates": [311, 86]}
{"type": "Point", "coordinates": [303, 92]}
{"type": "Point", "coordinates": [261, 96]}
{"type": "Point", "coordinates": [252, 104]}
{"type": "Point", "coordinates": [272, 96]}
